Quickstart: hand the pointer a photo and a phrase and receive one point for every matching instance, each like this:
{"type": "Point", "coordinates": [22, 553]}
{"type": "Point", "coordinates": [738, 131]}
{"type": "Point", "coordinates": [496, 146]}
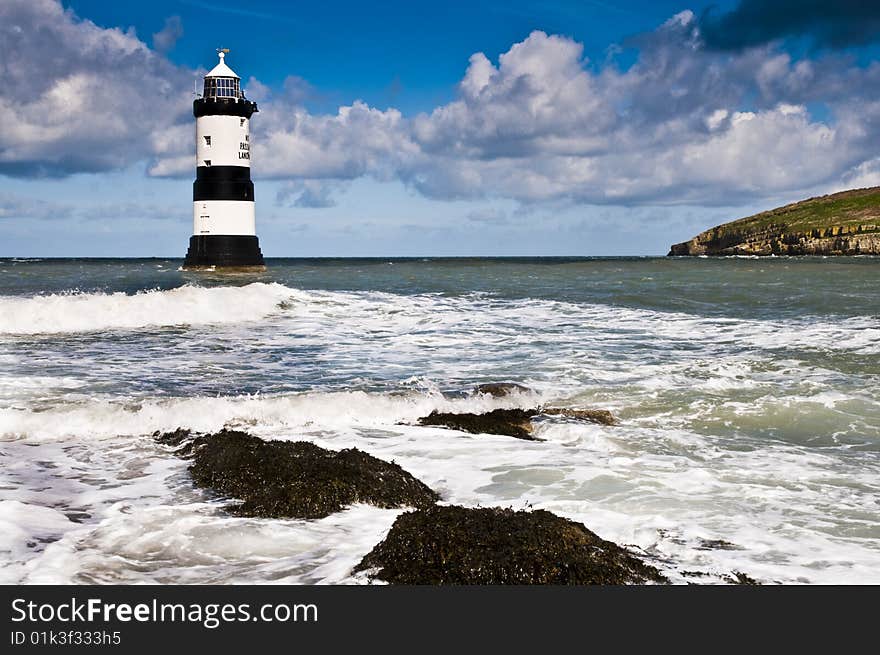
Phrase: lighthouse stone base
{"type": "Point", "coordinates": [214, 251]}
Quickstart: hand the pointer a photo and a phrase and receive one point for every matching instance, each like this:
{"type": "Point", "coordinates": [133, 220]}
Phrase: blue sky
{"type": "Point", "coordinates": [406, 54]}
{"type": "Point", "coordinates": [403, 128]}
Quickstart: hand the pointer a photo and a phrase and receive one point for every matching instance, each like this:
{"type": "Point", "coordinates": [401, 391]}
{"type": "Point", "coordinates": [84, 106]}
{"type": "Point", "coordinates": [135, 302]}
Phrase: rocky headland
{"type": "Point", "coordinates": [845, 223]}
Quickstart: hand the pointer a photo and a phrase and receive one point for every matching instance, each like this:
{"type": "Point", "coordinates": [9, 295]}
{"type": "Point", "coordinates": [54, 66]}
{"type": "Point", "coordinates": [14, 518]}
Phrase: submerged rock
{"type": "Point", "coordinates": [175, 439]}
{"type": "Point", "coordinates": [512, 422]}
{"type": "Point", "coordinates": [740, 578]}
{"type": "Point", "coordinates": [602, 416]}
{"type": "Point", "coordinates": [733, 578]}
{"type": "Point", "coordinates": [715, 544]}
{"type": "Point", "coordinates": [296, 479]}
{"type": "Point", "coordinates": [501, 389]}
{"type": "Point", "coordinates": [458, 545]}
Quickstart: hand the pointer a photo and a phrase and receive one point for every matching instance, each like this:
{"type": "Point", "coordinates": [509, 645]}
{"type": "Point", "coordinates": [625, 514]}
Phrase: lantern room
{"type": "Point", "coordinates": [222, 82]}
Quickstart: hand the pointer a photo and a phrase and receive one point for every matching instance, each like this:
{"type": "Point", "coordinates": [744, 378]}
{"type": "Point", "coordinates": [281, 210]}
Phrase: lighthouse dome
{"type": "Point", "coordinates": [221, 69]}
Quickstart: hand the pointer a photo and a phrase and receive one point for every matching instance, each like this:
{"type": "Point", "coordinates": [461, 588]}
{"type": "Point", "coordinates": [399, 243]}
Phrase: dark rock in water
{"type": "Point", "coordinates": [602, 416]}
{"type": "Point", "coordinates": [716, 544]}
{"type": "Point", "coordinates": [175, 438]}
{"type": "Point", "coordinates": [181, 440]}
{"type": "Point", "coordinates": [511, 422]}
{"type": "Point", "coordinates": [501, 389]}
{"type": "Point", "coordinates": [297, 479]}
{"type": "Point", "coordinates": [458, 545]}
{"type": "Point", "coordinates": [737, 577]}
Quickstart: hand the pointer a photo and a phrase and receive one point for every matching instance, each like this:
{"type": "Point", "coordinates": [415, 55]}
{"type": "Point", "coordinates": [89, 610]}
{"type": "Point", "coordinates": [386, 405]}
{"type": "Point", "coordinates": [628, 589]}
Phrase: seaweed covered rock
{"type": "Point", "coordinates": [297, 479]}
{"type": "Point", "coordinates": [501, 389]}
{"type": "Point", "coordinates": [511, 422]}
{"type": "Point", "coordinates": [740, 578]}
{"type": "Point", "coordinates": [602, 416]}
{"type": "Point", "coordinates": [180, 439]}
{"type": "Point", "coordinates": [458, 545]}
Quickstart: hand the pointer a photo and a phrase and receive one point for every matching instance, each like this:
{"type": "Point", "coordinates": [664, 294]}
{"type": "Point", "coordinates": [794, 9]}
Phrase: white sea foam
{"type": "Point", "coordinates": [342, 410]}
{"type": "Point", "coordinates": [24, 523]}
{"type": "Point", "coordinates": [187, 305]}
{"type": "Point", "coordinates": [196, 543]}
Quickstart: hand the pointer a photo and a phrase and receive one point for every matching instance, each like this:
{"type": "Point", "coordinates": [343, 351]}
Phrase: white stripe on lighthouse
{"type": "Point", "coordinates": [232, 217]}
{"type": "Point", "coordinates": [223, 141]}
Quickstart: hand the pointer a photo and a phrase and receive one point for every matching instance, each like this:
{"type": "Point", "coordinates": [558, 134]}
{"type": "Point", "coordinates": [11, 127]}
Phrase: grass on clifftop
{"type": "Point", "coordinates": [855, 207]}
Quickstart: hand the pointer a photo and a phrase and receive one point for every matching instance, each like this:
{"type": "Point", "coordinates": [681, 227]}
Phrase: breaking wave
{"type": "Point", "coordinates": [418, 319]}
{"type": "Point", "coordinates": [186, 305]}
{"type": "Point", "coordinates": [326, 411]}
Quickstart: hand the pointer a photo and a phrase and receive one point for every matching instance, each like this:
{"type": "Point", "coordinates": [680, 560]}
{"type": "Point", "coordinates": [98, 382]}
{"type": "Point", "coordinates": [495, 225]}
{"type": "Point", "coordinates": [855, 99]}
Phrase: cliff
{"type": "Point", "coordinates": [845, 223]}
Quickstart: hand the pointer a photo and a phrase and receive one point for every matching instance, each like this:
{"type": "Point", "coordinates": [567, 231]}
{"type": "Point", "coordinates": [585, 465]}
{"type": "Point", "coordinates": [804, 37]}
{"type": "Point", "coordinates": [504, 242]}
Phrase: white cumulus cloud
{"type": "Point", "coordinates": [682, 125]}
{"type": "Point", "coordinates": [77, 97]}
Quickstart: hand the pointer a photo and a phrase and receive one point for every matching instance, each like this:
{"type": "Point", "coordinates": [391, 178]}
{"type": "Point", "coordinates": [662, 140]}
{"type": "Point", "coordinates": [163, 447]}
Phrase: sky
{"type": "Point", "coordinates": [583, 127]}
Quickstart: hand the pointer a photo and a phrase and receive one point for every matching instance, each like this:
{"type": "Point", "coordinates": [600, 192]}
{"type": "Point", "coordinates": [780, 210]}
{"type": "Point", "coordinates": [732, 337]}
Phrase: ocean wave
{"type": "Point", "coordinates": [415, 322]}
{"type": "Point", "coordinates": [101, 418]}
{"type": "Point", "coordinates": [186, 305]}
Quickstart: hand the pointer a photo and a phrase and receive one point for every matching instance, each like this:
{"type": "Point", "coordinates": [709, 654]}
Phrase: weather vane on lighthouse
{"type": "Point", "coordinates": [224, 223]}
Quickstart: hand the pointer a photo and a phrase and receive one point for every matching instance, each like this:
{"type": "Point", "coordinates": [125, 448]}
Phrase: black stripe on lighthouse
{"type": "Point", "coordinates": [223, 251]}
{"type": "Point", "coordinates": [223, 183]}
{"type": "Point", "coordinates": [223, 107]}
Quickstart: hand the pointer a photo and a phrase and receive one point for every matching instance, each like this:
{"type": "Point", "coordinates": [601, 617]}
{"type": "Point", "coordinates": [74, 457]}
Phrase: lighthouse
{"type": "Point", "coordinates": [224, 225]}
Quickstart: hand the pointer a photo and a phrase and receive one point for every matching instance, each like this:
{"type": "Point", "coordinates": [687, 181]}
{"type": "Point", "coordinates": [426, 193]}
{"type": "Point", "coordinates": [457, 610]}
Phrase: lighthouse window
{"type": "Point", "coordinates": [222, 87]}
{"type": "Point", "coordinates": [241, 123]}
{"type": "Point", "coordinates": [207, 162]}
{"type": "Point", "coordinates": [207, 140]}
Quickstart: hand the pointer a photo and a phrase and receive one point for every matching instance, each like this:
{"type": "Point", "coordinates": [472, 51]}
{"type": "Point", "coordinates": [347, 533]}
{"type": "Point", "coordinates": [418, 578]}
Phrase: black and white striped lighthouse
{"type": "Point", "coordinates": [224, 226]}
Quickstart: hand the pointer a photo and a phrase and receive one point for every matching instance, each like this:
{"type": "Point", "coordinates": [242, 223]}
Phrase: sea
{"type": "Point", "coordinates": [747, 393]}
